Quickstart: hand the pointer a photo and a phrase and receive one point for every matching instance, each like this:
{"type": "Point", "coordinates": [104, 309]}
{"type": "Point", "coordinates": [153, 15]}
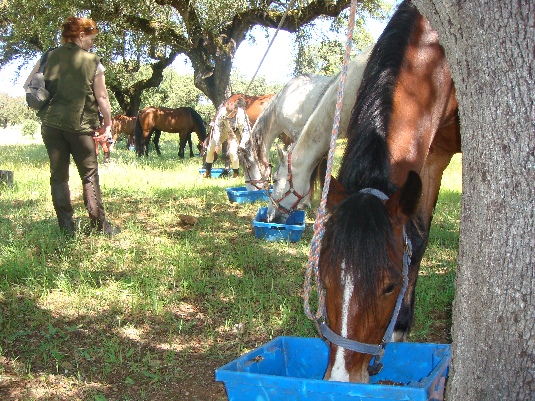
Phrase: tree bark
{"type": "Point", "coordinates": [490, 47]}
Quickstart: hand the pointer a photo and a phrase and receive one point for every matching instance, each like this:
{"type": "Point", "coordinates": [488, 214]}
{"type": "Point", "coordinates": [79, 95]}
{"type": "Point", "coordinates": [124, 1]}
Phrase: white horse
{"type": "Point", "coordinates": [287, 113]}
{"type": "Point", "coordinates": [291, 181]}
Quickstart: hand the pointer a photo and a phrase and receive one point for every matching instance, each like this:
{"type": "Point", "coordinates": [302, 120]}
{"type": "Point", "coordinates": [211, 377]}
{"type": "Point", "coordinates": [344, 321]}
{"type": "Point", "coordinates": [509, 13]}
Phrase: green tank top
{"type": "Point", "coordinates": [69, 75]}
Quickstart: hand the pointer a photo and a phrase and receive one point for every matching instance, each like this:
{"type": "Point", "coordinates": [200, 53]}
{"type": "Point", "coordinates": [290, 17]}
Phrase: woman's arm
{"type": "Point", "coordinates": [101, 95]}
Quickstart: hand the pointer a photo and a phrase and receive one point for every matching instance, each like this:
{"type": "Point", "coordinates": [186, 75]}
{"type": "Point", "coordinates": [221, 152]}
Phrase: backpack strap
{"type": "Point", "coordinates": [43, 60]}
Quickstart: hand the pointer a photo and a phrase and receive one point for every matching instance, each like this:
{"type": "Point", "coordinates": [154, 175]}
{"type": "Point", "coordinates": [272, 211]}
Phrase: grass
{"type": "Point", "coordinates": [152, 312]}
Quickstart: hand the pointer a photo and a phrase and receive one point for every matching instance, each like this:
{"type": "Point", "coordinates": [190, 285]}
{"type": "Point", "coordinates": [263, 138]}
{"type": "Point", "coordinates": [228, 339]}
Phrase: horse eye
{"type": "Point", "coordinates": [389, 289]}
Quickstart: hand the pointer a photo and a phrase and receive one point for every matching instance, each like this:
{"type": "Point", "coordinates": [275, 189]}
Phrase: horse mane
{"type": "Point", "coordinates": [366, 159]}
{"type": "Point", "coordinates": [317, 178]}
{"type": "Point", "coordinates": [200, 122]}
{"type": "Point", "coordinates": [359, 232]}
{"type": "Point", "coordinates": [262, 124]}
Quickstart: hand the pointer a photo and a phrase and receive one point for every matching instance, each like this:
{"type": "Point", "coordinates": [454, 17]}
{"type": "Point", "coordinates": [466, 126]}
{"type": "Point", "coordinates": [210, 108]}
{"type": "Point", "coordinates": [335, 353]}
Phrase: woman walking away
{"type": "Point", "coordinates": [75, 79]}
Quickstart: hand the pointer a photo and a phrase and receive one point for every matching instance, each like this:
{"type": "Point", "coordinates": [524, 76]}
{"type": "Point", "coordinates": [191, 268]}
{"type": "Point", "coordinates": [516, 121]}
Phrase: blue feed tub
{"type": "Point", "coordinates": [216, 172]}
{"type": "Point", "coordinates": [242, 195]}
{"type": "Point", "coordinates": [292, 369]}
{"type": "Point", "coordinates": [291, 231]}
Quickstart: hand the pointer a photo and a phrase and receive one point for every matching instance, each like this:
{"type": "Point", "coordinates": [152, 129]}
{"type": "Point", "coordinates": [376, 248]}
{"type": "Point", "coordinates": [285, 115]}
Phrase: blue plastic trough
{"type": "Point", "coordinates": [291, 231]}
{"type": "Point", "coordinates": [242, 195]}
{"type": "Point", "coordinates": [292, 369]}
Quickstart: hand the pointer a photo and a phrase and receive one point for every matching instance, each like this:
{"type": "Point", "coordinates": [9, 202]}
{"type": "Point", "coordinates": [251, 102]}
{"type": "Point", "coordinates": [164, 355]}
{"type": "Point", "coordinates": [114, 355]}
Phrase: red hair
{"type": "Point", "coordinates": [74, 26]}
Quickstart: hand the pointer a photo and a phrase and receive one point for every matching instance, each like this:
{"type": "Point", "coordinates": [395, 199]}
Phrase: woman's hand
{"type": "Point", "coordinates": [103, 133]}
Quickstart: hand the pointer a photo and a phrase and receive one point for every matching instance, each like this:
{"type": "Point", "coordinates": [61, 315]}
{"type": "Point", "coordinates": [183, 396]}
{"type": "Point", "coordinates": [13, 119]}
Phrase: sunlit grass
{"type": "Point", "coordinates": [435, 289]}
{"type": "Point", "coordinates": [140, 309]}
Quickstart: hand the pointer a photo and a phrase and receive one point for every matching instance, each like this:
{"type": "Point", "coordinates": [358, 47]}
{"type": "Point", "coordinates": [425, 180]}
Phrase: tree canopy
{"type": "Point", "coordinates": [151, 33]}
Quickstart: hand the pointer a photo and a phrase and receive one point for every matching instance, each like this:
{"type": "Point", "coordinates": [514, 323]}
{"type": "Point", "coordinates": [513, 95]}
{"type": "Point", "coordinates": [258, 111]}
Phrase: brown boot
{"type": "Point", "coordinates": [106, 157]}
{"type": "Point", "coordinates": [93, 204]}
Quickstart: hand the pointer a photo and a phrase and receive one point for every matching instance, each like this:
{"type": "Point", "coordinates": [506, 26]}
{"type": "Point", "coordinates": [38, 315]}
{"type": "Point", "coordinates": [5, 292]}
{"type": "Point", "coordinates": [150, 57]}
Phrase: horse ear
{"type": "Point", "coordinates": [337, 193]}
{"type": "Point", "coordinates": [404, 203]}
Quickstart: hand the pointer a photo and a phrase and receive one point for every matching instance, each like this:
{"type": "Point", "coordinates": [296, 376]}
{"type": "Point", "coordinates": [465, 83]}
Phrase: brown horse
{"type": "Point", "coordinates": [402, 133]}
{"type": "Point", "coordinates": [123, 124]}
{"type": "Point", "coordinates": [183, 120]}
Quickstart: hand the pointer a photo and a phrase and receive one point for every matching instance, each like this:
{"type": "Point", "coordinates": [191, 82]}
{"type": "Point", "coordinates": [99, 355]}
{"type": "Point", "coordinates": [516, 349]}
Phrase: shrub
{"type": "Point", "coordinates": [29, 128]}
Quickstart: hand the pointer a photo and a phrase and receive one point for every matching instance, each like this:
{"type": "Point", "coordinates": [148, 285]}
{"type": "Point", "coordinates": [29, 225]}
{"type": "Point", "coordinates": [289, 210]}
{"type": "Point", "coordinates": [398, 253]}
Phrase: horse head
{"type": "Point", "coordinates": [116, 129]}
{"type": "Point", "coordinates": [254, 179]}
{"type": "Point", "coordinates": [362, 269]}
{"type": "Point", "coordinates": [285, 198]}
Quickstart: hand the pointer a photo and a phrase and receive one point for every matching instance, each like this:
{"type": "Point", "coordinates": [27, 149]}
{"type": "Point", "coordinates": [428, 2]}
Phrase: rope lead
{"type": "Point", "coordinates": [319, 224]}
{"type": "Point", "coordinates": [290, 5]}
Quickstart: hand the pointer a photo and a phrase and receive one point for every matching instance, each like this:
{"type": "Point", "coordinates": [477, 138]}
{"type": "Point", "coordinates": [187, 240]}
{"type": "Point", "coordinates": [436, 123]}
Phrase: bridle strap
{"type": "Point", "coordinates": [260, 184]}
{"type": "Point", "coordinates": [346, 343]}
{"type": "Point", "coordinates": [375, 192]}
{"type": "Point", "coordinates": [372, 349]}
{"type": "Point", "coordinates": [291, 190]}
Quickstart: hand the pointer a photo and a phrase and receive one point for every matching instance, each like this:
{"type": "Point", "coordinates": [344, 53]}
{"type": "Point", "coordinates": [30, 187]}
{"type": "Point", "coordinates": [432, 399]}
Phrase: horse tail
{"type": "Point", "coordinates": [201, 130]}
{"type": "Point", "coordinates": [138, 132]}
{"type": "Point", "coordinates": [317, 178]}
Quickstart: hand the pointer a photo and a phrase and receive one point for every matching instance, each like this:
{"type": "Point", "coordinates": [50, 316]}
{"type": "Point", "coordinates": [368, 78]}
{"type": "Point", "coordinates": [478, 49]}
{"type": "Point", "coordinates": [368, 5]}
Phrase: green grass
{"type": "Point", "coordinates": [435, 289]}
{"type": "Point", "coordinates": [162, 303]}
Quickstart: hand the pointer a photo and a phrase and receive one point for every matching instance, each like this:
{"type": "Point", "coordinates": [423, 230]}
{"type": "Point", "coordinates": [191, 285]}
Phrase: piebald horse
{"type": "Point", "coordinates": [402, 133]}
{"type": "Point", "coordinates": [254, 105]}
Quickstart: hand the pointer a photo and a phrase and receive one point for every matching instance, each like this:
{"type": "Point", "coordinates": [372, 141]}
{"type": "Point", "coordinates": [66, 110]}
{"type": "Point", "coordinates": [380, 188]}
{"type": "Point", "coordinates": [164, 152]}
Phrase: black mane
{"type": "Point", "coordinates": [366, 160]}
{"type": "Point", "coordinates": [200, 123]}
{"type": "Point", "coordinates": [359, 232]}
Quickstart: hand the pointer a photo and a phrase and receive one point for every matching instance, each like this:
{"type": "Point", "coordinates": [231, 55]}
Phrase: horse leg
{"type": "Point", "coordinates": [418, 230]}
{"type": "Point", "coordinates": [182, 146]}
{"type": "Point", "coordinates": [191, 154]}
{"type": "Point", "coordinates": [156, 141]}
{"type": "Point", "coordinates": [146, 143]}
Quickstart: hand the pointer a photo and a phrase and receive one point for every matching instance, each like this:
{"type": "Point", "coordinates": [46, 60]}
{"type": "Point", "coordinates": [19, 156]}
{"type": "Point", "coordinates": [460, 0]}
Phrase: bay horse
{"type": "Point", "coordinates": [123, 124]}
{"type": "Point", "coordinates": [284, 117]}
{"type": "Point", "coordinates": [183, 120]}
{"type": "Point", "coordinates": [403, 131]}
{"type": "Point", "coordinates": [296, 174]}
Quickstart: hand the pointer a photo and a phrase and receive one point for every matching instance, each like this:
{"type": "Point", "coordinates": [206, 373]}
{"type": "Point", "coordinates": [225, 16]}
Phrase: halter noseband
{"type": "Point", "coordinates": [260, 184]}
{"type": "Point", "coordinates": [291, 190]}
{"type": "Point", "coordinates": [375, 349]}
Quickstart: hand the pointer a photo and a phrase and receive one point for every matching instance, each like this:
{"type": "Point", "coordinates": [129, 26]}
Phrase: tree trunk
{"type": "Point", "coordinates": [490, 46]}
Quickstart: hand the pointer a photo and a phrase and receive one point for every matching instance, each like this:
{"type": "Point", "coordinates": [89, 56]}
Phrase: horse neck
{"type": "Point", "coordinates": [262, 136]}
{"type": "Point", "coordinates": [423, 102]}
{"type": "Point", "coordinates": [315, 138]}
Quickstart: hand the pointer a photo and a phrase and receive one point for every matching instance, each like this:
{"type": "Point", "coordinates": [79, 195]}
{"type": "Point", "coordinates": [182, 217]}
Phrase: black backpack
{"type": "Point", "coordinates": [38, 96]}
